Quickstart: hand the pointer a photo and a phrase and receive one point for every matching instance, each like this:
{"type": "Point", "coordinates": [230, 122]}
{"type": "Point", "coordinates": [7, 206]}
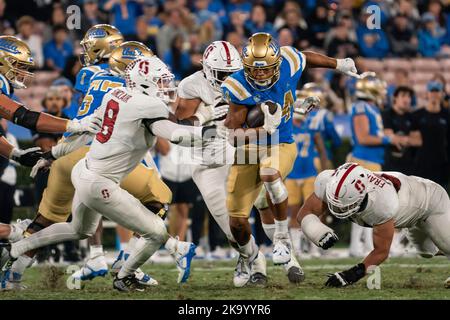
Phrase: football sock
{"type": "Point", "coordinates": [143, 250]}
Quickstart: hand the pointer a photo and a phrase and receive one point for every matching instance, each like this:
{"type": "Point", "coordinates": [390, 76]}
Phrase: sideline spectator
{"type": "Point", "coordinates": [58, 50]}
{"type": "Point", "coordinates": [26, 26]}
{"type": "Point", "coordinates": [398, 120]}
{"type": "Point", "coordinates": [432, 158]}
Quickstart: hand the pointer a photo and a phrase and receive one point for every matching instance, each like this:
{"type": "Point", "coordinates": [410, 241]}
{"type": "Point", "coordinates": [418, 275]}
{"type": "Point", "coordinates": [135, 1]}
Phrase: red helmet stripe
{"type": "Point", "coordinates": [227, 52]}
{"type": "Point", "coordinates": [341, 182]}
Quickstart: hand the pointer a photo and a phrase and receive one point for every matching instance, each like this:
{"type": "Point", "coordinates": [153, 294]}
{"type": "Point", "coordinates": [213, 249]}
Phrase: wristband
{"type": "Point", "coordinates": [386, 140]}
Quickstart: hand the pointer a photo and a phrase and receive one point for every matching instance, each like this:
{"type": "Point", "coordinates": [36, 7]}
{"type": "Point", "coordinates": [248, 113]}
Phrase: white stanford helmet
{"type": "Point", "coordinates": [152, 77]}
{"type": "Point", "coordinates": [220, 59]}
{"type": "Point", "coordinates": [346, 190]}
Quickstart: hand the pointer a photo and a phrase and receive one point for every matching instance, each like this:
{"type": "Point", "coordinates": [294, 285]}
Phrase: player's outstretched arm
{"type": "Point", "coordinates": [182, 135]}
{"type": "Point", "coordinates": [308, 219]}
{"type": "Point", "coordinates": [382, 239]}
{"type": "Point", "coordinates": [43, 122]}
{"type": "Point", "coordinates": [317, 60]}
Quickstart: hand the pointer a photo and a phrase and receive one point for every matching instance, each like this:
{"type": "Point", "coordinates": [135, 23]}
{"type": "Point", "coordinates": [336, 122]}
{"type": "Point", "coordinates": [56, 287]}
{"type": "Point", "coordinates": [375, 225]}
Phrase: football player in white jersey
{"type": "Point", "coordinates": [383, 201]}
{"type": "Point", "coordinates": [132, 118]}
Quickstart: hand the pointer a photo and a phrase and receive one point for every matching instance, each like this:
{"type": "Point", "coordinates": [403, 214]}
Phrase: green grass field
{"type": "Point", "coordinates": [401, 278]}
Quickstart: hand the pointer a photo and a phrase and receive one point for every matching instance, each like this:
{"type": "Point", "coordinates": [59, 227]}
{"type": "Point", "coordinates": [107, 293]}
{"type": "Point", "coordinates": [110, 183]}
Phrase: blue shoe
{"type": "Point", "coordinates": [94, 267]}
{"type": "Point", "coordinates": [183, 258]}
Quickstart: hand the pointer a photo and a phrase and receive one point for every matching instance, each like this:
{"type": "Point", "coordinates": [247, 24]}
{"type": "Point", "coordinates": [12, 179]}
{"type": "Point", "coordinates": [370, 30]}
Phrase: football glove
{"type": "Point", "coordinates": [328, 240]}
{"type": "Point", "coordinates": [347, 67]}
{"type": "Point", "coordinates": [27, 157]}
{"type": "Point", "coordinates": [271, 121]}
{"type": "Point", "coordinates": [347, 277]}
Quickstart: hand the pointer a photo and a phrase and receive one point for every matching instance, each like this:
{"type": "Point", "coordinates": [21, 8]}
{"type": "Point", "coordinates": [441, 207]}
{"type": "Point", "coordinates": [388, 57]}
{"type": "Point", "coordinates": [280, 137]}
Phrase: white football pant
{"type": "Point", "coordinates": [432, 233]}
{"type": "Point", "coordinates": [96, 196]}
{"type": "Point", "coordinates": [212, 185]}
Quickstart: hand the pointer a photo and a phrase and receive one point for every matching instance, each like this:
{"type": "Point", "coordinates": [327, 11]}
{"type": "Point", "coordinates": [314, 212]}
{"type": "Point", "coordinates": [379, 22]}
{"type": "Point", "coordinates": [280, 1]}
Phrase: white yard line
{"type": "Point", "coordinates": [329, 266]}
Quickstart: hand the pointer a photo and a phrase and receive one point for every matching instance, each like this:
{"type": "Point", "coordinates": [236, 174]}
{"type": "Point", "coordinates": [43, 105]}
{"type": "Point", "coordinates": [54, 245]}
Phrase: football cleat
{"type": "Point", "coordinates": [142, 277]}
{"type": "Point", "coordinates": [281, 249]}
{"type": "Point", "coordinates": [258, 280]}
{"type": "Point", "coordinates": [294, 271]}
{"type": "Point", "coordinates": [185, 252]}
{"type": "Point", "coordinates": [447, 283]}
{"type": "Point", "coordinates": [241, 272]}
{"type": "Point", "coordinates": [128, 284]}
{"type": "Point", "coordinates": [94, 267]}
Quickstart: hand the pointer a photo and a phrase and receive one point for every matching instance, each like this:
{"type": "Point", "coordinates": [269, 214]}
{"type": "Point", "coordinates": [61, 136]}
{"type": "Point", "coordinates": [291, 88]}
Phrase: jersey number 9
{"type": "Point", "coordinates": [109, 120]}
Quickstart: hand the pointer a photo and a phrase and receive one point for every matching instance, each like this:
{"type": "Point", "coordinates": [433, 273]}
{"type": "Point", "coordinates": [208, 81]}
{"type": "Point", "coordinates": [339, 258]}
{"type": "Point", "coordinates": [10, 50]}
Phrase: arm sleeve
{"type": "Point", "coordinates": [72, 143]}
{"type": "Point", "coordinates": [178, 134]}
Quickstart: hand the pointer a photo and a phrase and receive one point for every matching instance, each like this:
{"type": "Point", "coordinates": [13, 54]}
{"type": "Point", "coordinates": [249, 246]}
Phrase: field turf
{"type": "Point", "coordinates": [401, 278]}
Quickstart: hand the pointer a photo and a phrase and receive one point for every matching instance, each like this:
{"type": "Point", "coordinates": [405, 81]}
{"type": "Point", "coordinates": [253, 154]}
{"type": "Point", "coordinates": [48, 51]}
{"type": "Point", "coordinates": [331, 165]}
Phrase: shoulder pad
{"type": "Point", "coordinates": [295, 58]}
{"type": "Point", "coordinates": [234, 90]}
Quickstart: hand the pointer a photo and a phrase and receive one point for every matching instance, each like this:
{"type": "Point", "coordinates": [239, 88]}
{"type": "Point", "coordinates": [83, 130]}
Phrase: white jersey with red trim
{"type": "Point", "coordinates": [218, 152]}
{"type": "Point", "coordinates": [124, 141]}
{"type": "Point", "coordinates": [415, 199]}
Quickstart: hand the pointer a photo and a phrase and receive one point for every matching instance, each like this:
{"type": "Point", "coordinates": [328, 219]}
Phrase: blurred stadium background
{"type": "Point", "coordinates": [411, 48]}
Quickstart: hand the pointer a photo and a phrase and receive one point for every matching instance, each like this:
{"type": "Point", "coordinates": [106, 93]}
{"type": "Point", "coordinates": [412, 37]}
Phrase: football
{"type": "Point", "coordinates": [255, 117]}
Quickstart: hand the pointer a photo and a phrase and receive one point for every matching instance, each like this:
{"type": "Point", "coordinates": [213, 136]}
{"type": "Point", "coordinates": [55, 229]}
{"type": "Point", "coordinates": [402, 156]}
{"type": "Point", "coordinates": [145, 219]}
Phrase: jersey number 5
{"type": "Point", "coordinates": [109, 120]}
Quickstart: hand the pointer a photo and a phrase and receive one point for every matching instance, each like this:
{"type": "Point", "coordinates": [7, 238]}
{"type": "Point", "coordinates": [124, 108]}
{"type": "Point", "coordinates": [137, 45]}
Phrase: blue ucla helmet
{"type": "Point", "coordinates": [125, 53]}
{"type": "Point", "coordinates": [261, 52]}
{"type": "Point", "coordinates": [15, 61]}
{"type": "Point", "coordinates": [98, 43]}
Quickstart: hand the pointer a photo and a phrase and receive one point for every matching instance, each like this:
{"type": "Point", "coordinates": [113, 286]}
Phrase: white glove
{"type": "Point", "coordinates": [204, 113]}
{"type": "Point", "coordinates": [91, 123]}
{"type": "Point", "coordinates": [271, 121]}
{"type": "Point", "coordinates": [42, 164]}
{"type": "Point", "coordinates": [347, 66]}
{"type": "Point", "coordinates": [220, 111]}
{"type": "Point", "coordinates": [306, 105]}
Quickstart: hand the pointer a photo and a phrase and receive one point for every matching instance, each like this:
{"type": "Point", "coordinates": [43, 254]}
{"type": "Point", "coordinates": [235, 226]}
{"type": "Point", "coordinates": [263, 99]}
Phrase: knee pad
{"type": "Point", "coordinates": [261, 202]}
{"type": "Point", "coordinates": [277, 191]}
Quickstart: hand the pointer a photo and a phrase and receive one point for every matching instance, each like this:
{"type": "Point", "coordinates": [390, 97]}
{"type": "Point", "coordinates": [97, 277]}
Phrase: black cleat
{"type": "Point", "coordinates": [258, 280]}
{"type": "Point", "coordinates": [128, 284]}
{"type": "Point", "coordinates": [295, 275]}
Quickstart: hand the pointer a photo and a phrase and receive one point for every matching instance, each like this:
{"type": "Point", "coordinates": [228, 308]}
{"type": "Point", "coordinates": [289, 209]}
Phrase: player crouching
{"type": "Point", "coordinates": [381, 200]}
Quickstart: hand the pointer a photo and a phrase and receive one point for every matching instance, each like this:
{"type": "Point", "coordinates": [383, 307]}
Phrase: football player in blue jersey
{"type": "Point", "coordinates": [271, 74]}
{"type": "Point", "coordinates": [369, 142]}
{"type": "Point", "coordinates": [56, 202]}
{"type": "Point", "coordinates": [368, 136]}
{"type": "Point", "coordinates": [321, 119]}
{"type": "Point", "coordinates": [300, 181]}
{"type": "Point", "coordinates": [98, 43]}
{"type": "Point", "coordinates": [15, 61]}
